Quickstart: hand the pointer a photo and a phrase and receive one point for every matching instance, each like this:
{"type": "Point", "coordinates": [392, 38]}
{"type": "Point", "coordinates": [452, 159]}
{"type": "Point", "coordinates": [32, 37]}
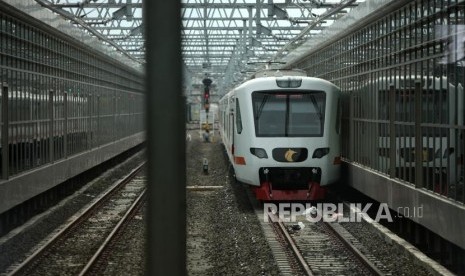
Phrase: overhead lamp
{"type": "Point", "coordinates": [118, 14]}
{"type": "Point", "coordinates": [137, 30]}
{"type": "Point", "coordinates": [263, 30]}
{"type": "Point", "coordinates": [256, 43]}
{"type": "Point", "coordinates": [275, 10]}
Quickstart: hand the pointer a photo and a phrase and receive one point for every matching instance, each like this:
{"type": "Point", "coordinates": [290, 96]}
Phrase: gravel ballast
{"type": "Point", "coordinates": [223, 234]}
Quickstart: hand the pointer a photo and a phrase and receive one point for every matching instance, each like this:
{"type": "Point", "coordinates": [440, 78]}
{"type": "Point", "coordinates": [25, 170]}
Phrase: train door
{"type": "Point", "coordinates": [231, 124]}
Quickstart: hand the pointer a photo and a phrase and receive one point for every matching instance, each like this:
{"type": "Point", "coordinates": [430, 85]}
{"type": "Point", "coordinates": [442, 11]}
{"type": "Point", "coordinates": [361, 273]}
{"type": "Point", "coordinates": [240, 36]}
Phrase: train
{"type": "Point", "coordinates": [282, 133]}
{"type": "Point", "coordinates": [44, 126]}
{"type": "Point", "coordinates": [440, 103]}
{"type": "Point", "coordinates": [29, 115]}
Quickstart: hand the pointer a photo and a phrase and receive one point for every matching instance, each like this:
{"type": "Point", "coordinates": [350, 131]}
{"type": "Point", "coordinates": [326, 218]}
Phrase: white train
{"type": "Point", "coordinates": [442, 112]}
{"type": "Point", "coordinates": [29, 115]}
{"type": "Point", "coordinates": [282, 135]}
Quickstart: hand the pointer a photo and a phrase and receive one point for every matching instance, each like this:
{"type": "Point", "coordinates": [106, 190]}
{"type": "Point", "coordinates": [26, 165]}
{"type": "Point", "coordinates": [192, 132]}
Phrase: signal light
{"type": "Point", "coordinates": [206, 95]}
{"type": "Point", "coordinates": [207, 81]}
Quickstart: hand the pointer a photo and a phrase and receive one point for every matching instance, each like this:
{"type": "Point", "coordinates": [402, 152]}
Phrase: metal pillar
{"type": "Point", "coordinates": [166, 139]}
{"type": "Point", "coordinates": [418, 137]}
{"type": "Point", "coordinates": [89, 121]}
{"type": "Point", "coordinates": [51, 128]}
{"type": "Point", "coordinates": [392, 131]}
{"type": "Point", "coordinates": [5, 123]}
{"type": "Point", "coordinates": [65, 125]}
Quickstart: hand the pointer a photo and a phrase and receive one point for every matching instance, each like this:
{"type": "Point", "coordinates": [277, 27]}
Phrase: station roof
{"type": "Point", "coordinates": [225, 40]}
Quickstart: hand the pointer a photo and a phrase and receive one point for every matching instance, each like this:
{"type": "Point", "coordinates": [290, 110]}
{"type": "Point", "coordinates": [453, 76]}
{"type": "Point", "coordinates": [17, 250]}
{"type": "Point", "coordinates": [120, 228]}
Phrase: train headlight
{"type": "Point", "coordinates": [288, 82]}
{"type": "Point", "coordinates": [320, 152]}
{"type": "Point", "coordinates": [259, 152]}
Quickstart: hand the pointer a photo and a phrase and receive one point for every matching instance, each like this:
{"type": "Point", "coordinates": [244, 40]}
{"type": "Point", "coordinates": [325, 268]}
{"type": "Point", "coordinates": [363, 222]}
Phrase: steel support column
{"type": "Point", "coordinates": [166, 140]}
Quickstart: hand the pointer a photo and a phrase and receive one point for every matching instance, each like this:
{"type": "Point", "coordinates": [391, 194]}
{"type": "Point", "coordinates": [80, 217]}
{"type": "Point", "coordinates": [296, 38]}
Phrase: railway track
{"type": "Point", "coordinates": [79, 247]}
{"type": "Point", "coordinates": [327, 249]}
{"type": "Point", "coordinates": [317, 248]}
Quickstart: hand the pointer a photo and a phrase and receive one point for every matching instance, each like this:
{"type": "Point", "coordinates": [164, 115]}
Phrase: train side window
{"type": "Point", "coordinates": [238, 118]}
{"type": "Point", "coordinates": [222, 118]}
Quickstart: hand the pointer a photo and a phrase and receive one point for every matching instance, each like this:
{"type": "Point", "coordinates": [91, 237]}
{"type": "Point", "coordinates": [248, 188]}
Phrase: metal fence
{"type": "Point", "coordinates": [59, 96]}
{"type": "Point", "coordinates": [402, 71]}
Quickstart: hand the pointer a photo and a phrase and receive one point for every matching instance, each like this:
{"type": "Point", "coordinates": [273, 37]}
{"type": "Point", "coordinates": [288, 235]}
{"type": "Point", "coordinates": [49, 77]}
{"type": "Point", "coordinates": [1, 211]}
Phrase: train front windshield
{"type": "Point", "coordinates": [289, 114]}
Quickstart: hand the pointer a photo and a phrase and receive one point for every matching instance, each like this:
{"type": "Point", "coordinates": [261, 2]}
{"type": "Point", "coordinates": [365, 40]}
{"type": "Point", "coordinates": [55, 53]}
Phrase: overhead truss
{"type": "Point", "coordinates": [224, 39]}
{"type": "Point", "coordinates": [229, 39]}
{"type": "Point", "coordinates": [115, 22]}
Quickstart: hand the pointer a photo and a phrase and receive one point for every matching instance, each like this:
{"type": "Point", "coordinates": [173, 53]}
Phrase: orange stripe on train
{"type": "Point", "coordinates": [239, 160]}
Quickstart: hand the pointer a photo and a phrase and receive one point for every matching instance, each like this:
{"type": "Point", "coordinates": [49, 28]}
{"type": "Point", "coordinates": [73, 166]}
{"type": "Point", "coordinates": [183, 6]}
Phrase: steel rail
{"type": "Point", "coordinates": [295, 250]}
{"type": "Point", "coordinates": [23, 266]}
{"type": "Point", "coordinates": [112, 235]}
{"type": "Point", "coordinates": [359, 255]}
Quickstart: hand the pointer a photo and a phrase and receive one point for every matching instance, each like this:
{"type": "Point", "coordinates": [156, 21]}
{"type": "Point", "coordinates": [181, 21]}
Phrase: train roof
{"type": "Point", "coordinates": [279, 73]}
{"type": "Point", "coordinates": [258, 82]}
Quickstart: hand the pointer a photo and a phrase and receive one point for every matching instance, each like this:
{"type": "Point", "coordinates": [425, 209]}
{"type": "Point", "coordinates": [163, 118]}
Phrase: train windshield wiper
{"type": "Point", "coordinates": [317, 108]}
{"type": "Point", "coordinates": [262, 104]}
